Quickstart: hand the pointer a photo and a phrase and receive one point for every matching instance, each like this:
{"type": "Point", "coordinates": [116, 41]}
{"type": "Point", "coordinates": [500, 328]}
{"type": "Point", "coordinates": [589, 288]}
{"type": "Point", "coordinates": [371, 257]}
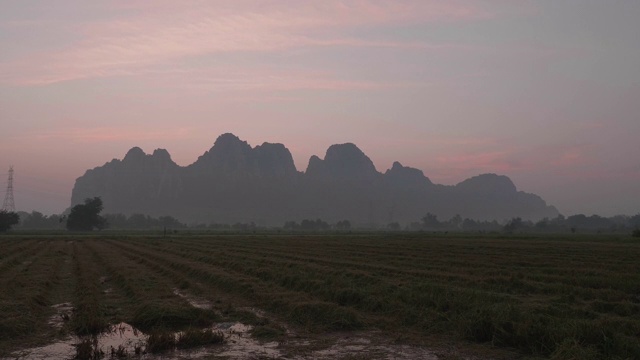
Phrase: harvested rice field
{"type": "Point", "coordinates": [351, 296]}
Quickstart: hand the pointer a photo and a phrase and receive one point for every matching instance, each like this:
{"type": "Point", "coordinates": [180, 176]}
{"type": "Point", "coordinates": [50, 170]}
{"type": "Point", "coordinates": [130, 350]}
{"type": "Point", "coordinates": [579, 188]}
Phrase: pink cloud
{"type": "Point", "coordinates": [459, 158]}
{"type": "Point", "coordinates": [225, 79]}
{"type": "Point", "coordinates": [484, 161]}
{"type": "Point", "coordinates": [162, 33]}
{"type": "Point", "coordinates": [569, 157]}
{"type": "Point", "coordinates": [113, 134]}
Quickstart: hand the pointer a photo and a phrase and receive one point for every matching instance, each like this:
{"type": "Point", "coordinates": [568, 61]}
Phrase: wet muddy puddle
{"type": "Point", "coordinates": [192, 300]}
{"type": "Point", "coordinates": [122, 337]}
{"type": "Point", "coordinates": [62, 315]}
{"type": "Point", "coordinates": [365, 346]}
{"type": "Point", "coordinates": [122, 341]}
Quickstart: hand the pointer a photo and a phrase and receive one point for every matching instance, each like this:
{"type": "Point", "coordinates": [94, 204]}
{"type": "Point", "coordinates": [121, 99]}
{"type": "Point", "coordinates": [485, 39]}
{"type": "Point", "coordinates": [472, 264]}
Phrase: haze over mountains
{"type": "Point", "coordinates": [234, 182]}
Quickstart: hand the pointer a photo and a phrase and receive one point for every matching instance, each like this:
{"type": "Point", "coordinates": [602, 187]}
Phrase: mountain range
{"type": "Point", "coordinates": [234, 182]}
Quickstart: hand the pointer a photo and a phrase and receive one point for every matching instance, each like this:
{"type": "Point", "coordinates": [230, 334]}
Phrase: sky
{"type": "Point", "coordinates": [545, 92]}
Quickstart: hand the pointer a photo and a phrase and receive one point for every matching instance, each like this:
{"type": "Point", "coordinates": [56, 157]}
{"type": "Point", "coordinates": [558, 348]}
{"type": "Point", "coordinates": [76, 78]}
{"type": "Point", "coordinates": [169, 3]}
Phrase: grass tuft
{"type": "Point", "coordinates": [152, 315]}
{"type": "Point", "coordinates": [161, 341]}
{"type": "Point", "coordinates": [191, 338]}
{"type": "Point", "coordinates": [325, 316]}
{"type": "Point", "coordinates": [570, 349]}
{"type": "Point", "coordinates": [268, 332]}
{"type": "Point", "coordinates": [88, 349]}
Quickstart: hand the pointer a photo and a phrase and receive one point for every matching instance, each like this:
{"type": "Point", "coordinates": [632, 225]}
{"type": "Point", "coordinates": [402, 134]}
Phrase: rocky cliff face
{"type": "Point", "coordinates": [233, 182]}
{"type": "Point", "coordinates": [344, 162]}
{"type": "Point", "coordinates": [231, 156]}
{"type": "Point", "coordinates": [135, 183]}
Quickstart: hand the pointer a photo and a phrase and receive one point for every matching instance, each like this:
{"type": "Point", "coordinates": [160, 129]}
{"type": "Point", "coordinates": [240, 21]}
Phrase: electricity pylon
{"type": "Point", "coordinates": [9, 205]}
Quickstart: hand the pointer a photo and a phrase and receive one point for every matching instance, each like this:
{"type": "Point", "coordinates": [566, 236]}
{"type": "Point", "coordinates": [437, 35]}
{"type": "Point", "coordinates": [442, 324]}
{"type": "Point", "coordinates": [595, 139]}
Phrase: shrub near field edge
{"type": "Point", "coordinates": [152, 315]}
{"type": "Point", "coordinates": [324, 316]}
{"type": "Point", "coordinates": [547, 335]}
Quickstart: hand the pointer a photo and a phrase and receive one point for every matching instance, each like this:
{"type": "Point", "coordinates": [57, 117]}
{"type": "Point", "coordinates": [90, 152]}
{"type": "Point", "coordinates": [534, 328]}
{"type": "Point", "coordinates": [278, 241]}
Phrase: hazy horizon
{"type": "Point", "coordinates": [543, 92]}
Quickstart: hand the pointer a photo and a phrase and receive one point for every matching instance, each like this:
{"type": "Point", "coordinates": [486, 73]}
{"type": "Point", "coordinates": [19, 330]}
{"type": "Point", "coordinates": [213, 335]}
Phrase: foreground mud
{"type": "Point", "coordinates": [121, 336]}
{"type": "Point", "coordinates": [123, 341]}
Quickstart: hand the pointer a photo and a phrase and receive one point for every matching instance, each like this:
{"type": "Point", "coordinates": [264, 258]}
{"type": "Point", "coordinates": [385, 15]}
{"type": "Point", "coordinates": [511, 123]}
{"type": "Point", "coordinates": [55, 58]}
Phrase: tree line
{"type": "Point", "coordinates": [87, 217]}
{"type": "Point", "coordinates": [579, 223]}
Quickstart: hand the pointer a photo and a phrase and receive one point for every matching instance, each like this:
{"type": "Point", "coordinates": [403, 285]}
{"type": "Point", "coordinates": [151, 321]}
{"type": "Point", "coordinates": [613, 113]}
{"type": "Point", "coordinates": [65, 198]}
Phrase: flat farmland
{"type": "Point", "coordinates": [489, 297]}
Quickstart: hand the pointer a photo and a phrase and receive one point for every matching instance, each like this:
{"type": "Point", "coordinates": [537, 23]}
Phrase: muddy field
{"type": "Point", "coordinates": [319, 297]}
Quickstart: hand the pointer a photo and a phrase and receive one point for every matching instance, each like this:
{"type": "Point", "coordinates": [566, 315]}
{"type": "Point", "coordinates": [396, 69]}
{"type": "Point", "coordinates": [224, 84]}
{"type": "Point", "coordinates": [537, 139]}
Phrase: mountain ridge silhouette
{"type": "Point", "coordinates": [235, 182]}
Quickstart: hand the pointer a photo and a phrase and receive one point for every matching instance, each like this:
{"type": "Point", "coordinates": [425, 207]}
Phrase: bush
{"type": "Point", "coordinates": [8, 219]}
{"type": "Point", "coordinates": [86, 217]}
{"type": "Point", "coordinates": [636, 233]}
{"type": "Point", "coordinates": [150, 316]}
{"type": "Point", "coordinates": [191, 338]}
{"type": "Point", "coordinates": [325, 316]}
{"type": "Point", "coordinates": [161, 341]}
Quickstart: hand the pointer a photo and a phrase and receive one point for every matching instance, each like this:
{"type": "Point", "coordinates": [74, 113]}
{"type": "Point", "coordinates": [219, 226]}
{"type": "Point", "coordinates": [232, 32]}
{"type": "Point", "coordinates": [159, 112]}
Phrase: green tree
{"type": "Point", "coordinates": [7, 220]}
{"type": "Point", "coordinates": [513, 225]}
{"type": "Point", "coordinates": [86, 217]}
{"type": "Point", "coordinates": [37, 220]}
{"type": "Point", "coordinates": [170, 222]}
{"type": "Point", "coordinates": [455, 222]}
{"type": "Point", "coordinates": [430, 222]}
{"type": "Point", "coordinates": [394, 226]}
{"type": "Point", "coordinates": [343, 225]}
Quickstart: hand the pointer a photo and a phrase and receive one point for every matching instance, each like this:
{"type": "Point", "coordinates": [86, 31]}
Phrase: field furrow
{"type": "Point", "coordinates": [26, 299]}
{"type": "Point", "coordinates": [546, 297]}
